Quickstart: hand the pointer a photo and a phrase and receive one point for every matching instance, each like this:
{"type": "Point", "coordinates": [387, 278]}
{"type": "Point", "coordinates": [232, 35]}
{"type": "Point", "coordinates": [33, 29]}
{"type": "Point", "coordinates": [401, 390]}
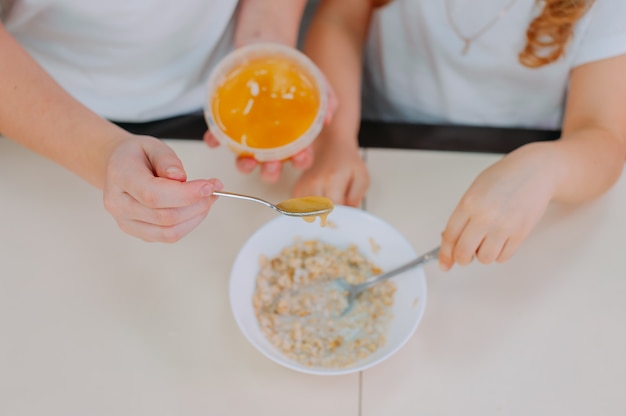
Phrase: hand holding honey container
{"type": "Point", "coordinates": [267, 101]}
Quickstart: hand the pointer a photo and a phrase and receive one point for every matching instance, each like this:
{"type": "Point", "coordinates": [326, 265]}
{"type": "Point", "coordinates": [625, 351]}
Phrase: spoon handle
{"type": "Point", "coordinates": [246, 197]}
{"type": "Point", "coordinates": [413, 263]}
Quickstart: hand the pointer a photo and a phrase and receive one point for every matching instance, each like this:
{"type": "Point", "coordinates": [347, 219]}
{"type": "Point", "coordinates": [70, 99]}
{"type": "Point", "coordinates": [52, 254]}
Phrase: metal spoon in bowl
{"type": "Point", "coordinates": [336, 297]}
{"type": "Point", "coordinates": [307, 207]}
{"type": "Point", "coordinates": [355, 289]}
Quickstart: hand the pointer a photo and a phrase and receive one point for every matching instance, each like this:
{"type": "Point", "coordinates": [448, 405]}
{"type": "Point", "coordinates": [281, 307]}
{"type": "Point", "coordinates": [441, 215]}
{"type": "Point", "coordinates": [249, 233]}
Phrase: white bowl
{"type": "Point", "coordinates": [346, 226]}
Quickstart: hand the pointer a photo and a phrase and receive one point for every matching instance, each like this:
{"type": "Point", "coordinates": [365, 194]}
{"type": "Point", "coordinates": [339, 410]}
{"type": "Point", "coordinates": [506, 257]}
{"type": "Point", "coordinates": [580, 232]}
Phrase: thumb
{"type": "Point", "coordinates": [165, 163]}
{"type": "Point", "coordinates": [210, 139]}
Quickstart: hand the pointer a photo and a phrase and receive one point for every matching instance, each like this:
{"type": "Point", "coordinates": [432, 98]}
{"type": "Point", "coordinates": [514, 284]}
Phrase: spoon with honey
{"type": "Point", "coordinates": [306, 208]}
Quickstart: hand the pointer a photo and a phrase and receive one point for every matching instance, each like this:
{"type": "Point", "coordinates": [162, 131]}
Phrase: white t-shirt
{"type": "Point", "coordinates": [415, 69]}
{"type": "Point", "coordinates": [128, 60]}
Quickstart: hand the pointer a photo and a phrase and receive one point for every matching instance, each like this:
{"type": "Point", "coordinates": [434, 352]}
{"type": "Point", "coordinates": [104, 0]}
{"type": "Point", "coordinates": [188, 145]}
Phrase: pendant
{"type": "Point", "coordinates": [466, 46]}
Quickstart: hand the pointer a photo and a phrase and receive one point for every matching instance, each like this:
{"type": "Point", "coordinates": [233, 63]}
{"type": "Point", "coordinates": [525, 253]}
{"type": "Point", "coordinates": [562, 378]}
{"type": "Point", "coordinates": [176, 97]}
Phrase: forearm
{"type": "Point", "coordinates": [269, 21]}
{"type": "Point", "coordinates": [334, 42]}
{"type": "Point", "coordinates": [588, 161]}
{"type": "Point", "coordinates": [593, 144]}
{"type": "Point", "coordinates": [37, 113]}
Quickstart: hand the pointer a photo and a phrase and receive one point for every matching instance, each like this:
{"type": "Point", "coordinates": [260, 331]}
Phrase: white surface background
{"type": "Point", "coordinates": [95, 322]}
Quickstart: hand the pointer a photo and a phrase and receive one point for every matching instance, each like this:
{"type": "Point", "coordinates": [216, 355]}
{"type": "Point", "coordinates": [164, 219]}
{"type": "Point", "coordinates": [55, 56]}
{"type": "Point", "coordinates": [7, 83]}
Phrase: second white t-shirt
{"type": "Point", "coordinates": [415, 69]}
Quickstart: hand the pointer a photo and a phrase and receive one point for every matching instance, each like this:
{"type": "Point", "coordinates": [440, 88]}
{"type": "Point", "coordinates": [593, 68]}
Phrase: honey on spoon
{"type": "Point", "coordinates": [307, 208]}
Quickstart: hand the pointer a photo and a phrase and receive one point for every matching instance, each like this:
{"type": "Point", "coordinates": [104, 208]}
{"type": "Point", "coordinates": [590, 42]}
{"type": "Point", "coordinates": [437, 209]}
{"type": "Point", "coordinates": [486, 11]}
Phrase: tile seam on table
{"type": "Point", "coordinates": [360, 405]}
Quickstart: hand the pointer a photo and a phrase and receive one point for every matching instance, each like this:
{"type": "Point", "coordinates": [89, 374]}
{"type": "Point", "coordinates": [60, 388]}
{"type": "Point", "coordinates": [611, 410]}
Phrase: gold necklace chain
{"type": "Point", "coordinates": [467, 40]}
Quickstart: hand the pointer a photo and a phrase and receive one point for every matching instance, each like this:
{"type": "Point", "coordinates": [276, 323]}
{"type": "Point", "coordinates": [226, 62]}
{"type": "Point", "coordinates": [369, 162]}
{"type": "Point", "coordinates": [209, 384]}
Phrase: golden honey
{"type": "Point", "coordinates": [309, 204]}
{"type": "Point", "coordinates": [266, 103]}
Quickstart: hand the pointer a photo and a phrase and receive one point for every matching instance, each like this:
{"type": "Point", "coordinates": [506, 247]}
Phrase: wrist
{"type": "Point", "coordinates": [101, 152]}
{"type": "Point", "coordinates": [269, 21]}
{"type": "Point", "coordinates": [263, 37]}
{"type": "Point", "coordinates": [550, 162]}
{"type": "Point", "coordinates": [343, 140]}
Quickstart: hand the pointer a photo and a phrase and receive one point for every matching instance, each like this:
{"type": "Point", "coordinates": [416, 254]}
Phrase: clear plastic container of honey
{"type": "Point", "coordinates": [266, 100]}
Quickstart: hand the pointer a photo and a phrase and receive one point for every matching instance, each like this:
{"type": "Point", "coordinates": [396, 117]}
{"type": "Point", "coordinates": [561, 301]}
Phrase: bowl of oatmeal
{"type": "Point", "coordinates": [285, 301]}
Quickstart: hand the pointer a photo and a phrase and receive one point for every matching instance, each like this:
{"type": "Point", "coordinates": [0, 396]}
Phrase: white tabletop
{"type": "Point", "coordinates": [95, 322]}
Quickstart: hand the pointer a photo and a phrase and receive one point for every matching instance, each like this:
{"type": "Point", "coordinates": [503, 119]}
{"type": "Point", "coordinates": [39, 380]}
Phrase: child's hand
{"type": "Point", "coordinates": [337, 173]}
{"type": "Point", "coordinates": [500, 208]}
{"type": "Point", "coordinates": [147, 192]}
